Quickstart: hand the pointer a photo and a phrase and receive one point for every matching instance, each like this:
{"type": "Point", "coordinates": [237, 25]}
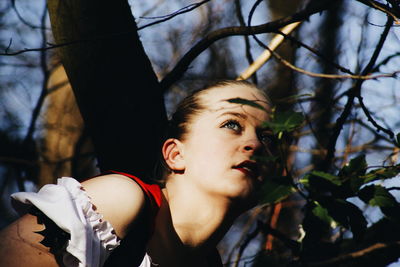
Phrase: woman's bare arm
{"type": "Point", "coordinates": [118, 198]}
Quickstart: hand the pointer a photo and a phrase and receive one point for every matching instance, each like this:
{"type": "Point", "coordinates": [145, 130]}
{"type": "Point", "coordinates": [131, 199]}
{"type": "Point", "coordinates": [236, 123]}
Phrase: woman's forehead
{"type": "Point", "coordinates": [217, 98]}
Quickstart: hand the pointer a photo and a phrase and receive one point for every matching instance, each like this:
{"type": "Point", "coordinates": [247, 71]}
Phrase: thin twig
{"type": "Point", "coordinates": [21, 18]}
{"type": "Point", "coordinates": [316, 52]}
{"type": "Point", "coordinates": [203, 44]}
{"type": "Point", "coordinates": [309, 73]}
{"type": "Point", "coordinates": [249, 55]}
{"type": "Point", "coordinates": [40, 49]}
{"type": "Point", "coordinates": [36, 111]}
{"type": "Point", "coordinates": [52, 46]}
{"type": "Point", "coordinates": [195, 51]}
{"type": "Point", "coordinates": [43, 64]}
{"type": "Point", "coordinates": [265, 56]}
{"type": "Point", "coordinates": [174, 14]}
{"type": "Point", "coordinates": [360, 98]}
{"type": "Point", "coordinates": [384, 62]}
{"type": "Point", "coordinates": [355, 255]}
{"type": "Point", "coordinates": [325, 75]}
{"type": "Point", "coordinates": [253, 217]}
{"type": "Point", "coordinates": [355, 91]}
{"type": "Point", "coordinates": [381, 7]}
{"type": "Point", "coordinates": [249, 237]}
{"type": "Point", "coordinates": [8, 46]}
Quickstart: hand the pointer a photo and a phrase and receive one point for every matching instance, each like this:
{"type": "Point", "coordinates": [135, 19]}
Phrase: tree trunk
{"type": "Point", "coordinates": [116, 89]}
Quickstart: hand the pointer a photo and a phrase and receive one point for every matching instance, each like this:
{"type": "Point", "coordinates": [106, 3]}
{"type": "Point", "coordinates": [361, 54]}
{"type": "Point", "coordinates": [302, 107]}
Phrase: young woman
{"type": "Point", "coordinates": [211, 177]}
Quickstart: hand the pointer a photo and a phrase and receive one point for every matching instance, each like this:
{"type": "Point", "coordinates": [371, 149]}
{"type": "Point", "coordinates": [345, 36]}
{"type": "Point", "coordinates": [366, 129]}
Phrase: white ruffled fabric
{"type": "Point", "coordinates": [92, 238]}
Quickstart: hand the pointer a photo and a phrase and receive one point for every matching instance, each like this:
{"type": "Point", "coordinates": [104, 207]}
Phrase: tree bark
{"type": "Point", "coordinates": [117, 91]}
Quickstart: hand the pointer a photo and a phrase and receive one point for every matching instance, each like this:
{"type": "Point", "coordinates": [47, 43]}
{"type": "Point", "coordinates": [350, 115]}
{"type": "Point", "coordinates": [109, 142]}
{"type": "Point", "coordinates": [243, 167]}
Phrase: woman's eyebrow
{"type": "Point", "coordinates": [236, 114]}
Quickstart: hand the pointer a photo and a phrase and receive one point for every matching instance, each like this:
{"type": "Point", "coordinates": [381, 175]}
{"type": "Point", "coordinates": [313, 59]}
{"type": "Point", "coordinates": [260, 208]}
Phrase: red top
{"type": "Point", "coordinates": [152, 191]}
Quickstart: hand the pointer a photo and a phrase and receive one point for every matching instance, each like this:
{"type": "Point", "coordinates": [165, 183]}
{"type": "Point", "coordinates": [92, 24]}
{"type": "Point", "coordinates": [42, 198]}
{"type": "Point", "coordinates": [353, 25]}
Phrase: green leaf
{"type": "Point", "coordinates": [376, 195]}
{"type": "Point", "coordinates": [382, 198]}
{"type": "Point", "coordinates": [293, 98]}
{"type": "Point", "coordinates": [353, 172]}
{"type": "Point", "coordinates": [347, 214]}
{"type": "Point", "coordinates": [275, 189]}
{"type": "Point", "coordinates": [243, 101]}
{"type": "Point", "coordinates": [327, 176]}
{"type": "Point", "coordinates": [317, 182]}
{"type": "Point", "coordinates": [381, 174]}
{"type": "Point", "coordinates": [284, 122]}
{"type": "Point", "coordinates": [323, 214]}
{"type": "Point", "coordinates": [356, 167]}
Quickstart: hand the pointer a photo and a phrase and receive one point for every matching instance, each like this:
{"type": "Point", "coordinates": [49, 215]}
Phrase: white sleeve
{"type": "Point", "coordinates": [68, 206]}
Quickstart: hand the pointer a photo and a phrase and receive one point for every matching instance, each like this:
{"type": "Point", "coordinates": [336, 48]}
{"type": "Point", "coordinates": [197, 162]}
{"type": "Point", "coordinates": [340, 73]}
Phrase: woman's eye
{"type": "Point", "coordinates": [265, 138]}
{"type": "Point", "coordinates": [233, 125]}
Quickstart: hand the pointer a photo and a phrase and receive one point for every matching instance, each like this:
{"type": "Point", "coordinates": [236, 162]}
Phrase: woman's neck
{"type": "Point", "coordinates": [189, 225]}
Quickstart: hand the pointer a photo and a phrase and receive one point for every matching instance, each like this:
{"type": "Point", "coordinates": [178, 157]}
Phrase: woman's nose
{"type": "Point", "coordinates": [252, 144]}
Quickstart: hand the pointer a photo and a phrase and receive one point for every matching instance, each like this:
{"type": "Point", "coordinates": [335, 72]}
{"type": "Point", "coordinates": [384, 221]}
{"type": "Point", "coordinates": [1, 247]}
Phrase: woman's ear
{"type": "Point", "coordinates": [173, 154]}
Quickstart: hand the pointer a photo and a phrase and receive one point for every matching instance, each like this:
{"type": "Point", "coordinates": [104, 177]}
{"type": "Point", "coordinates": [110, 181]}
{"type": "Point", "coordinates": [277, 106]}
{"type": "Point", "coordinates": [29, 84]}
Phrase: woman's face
{"type": "Point", "coordinates": [221, 143]}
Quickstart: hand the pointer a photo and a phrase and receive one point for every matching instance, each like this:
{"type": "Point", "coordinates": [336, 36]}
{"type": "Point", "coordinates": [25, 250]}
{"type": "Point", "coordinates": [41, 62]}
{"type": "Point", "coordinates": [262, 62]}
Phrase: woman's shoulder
{"type": "Point", "coordinates": [118, 198]}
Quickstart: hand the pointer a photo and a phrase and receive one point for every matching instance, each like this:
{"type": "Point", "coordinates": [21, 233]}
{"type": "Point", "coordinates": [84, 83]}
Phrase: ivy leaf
{"type": "Point", "coordinates": [243, 101]}
{"type": "Point", "coordinates": [356, 167]}
{"type": "Point", "coordinates": [381, 174]}
{"type": "Point", "coordinates": [323, 214]}
{"type": "Point", "coordinates": [347, 214]}
{"type": "Point", "coordinates": [327, 176]}
{"type": "Point", "coordinates": [319, 182]}
{"type": "Point", "coordinates": [293, 98]}
{"type": "Point", "coordinates": [382, 198]}
{"type": "Point", "coordinates": [353, 173]}
{"type": "Point", "coordinates": [376, 195]}
{"type": "Point", "coordinates": [284, 122]}
{"type": "Point", "coordinates": [275, 189]}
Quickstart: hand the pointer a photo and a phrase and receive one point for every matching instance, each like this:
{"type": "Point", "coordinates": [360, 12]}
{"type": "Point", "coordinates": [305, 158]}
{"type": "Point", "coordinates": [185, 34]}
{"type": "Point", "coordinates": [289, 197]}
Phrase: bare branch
{"type": "Point", "coordinates": [249, 55]}
{"type": "Point", "coordinates": [384, 62]}
{"type": "Point", "coordinates": [352, 94]}
{"type": "Point", "coordinates": [316, 52]}
{"type": "Point", "coordinates": [174, 14]}
{"type": "Point", "coordinates": [265, 56]}
{"type": "Point", "coordinates": [45, 71]}
{"type": "Point", "coordinates": [50, 46]}
{"type": "Point", "coordinates": [381, 7]}
{"type": "Point", "coordinates": [325, 75]}
{"type": "Point", "coordinates": [249, 237]}
{"type": "Point", "coordinates": [393, 188]}
{"type": "Point", "coordinates": [378, 247]}
{"type": "Point", "coordinates": [203, 44]}
{"type": "Point", "coordinates": [21, 18]}
{"type": "Point", "coordinates": [360, 98]}
{"type": "Point", "coordinates": [395, 5]}
{"type": "Point", "coordinates": [246, 228]}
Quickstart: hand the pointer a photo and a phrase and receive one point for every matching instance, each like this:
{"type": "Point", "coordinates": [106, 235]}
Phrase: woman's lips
{"type": "Point", "coordinates": [250, 168]}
